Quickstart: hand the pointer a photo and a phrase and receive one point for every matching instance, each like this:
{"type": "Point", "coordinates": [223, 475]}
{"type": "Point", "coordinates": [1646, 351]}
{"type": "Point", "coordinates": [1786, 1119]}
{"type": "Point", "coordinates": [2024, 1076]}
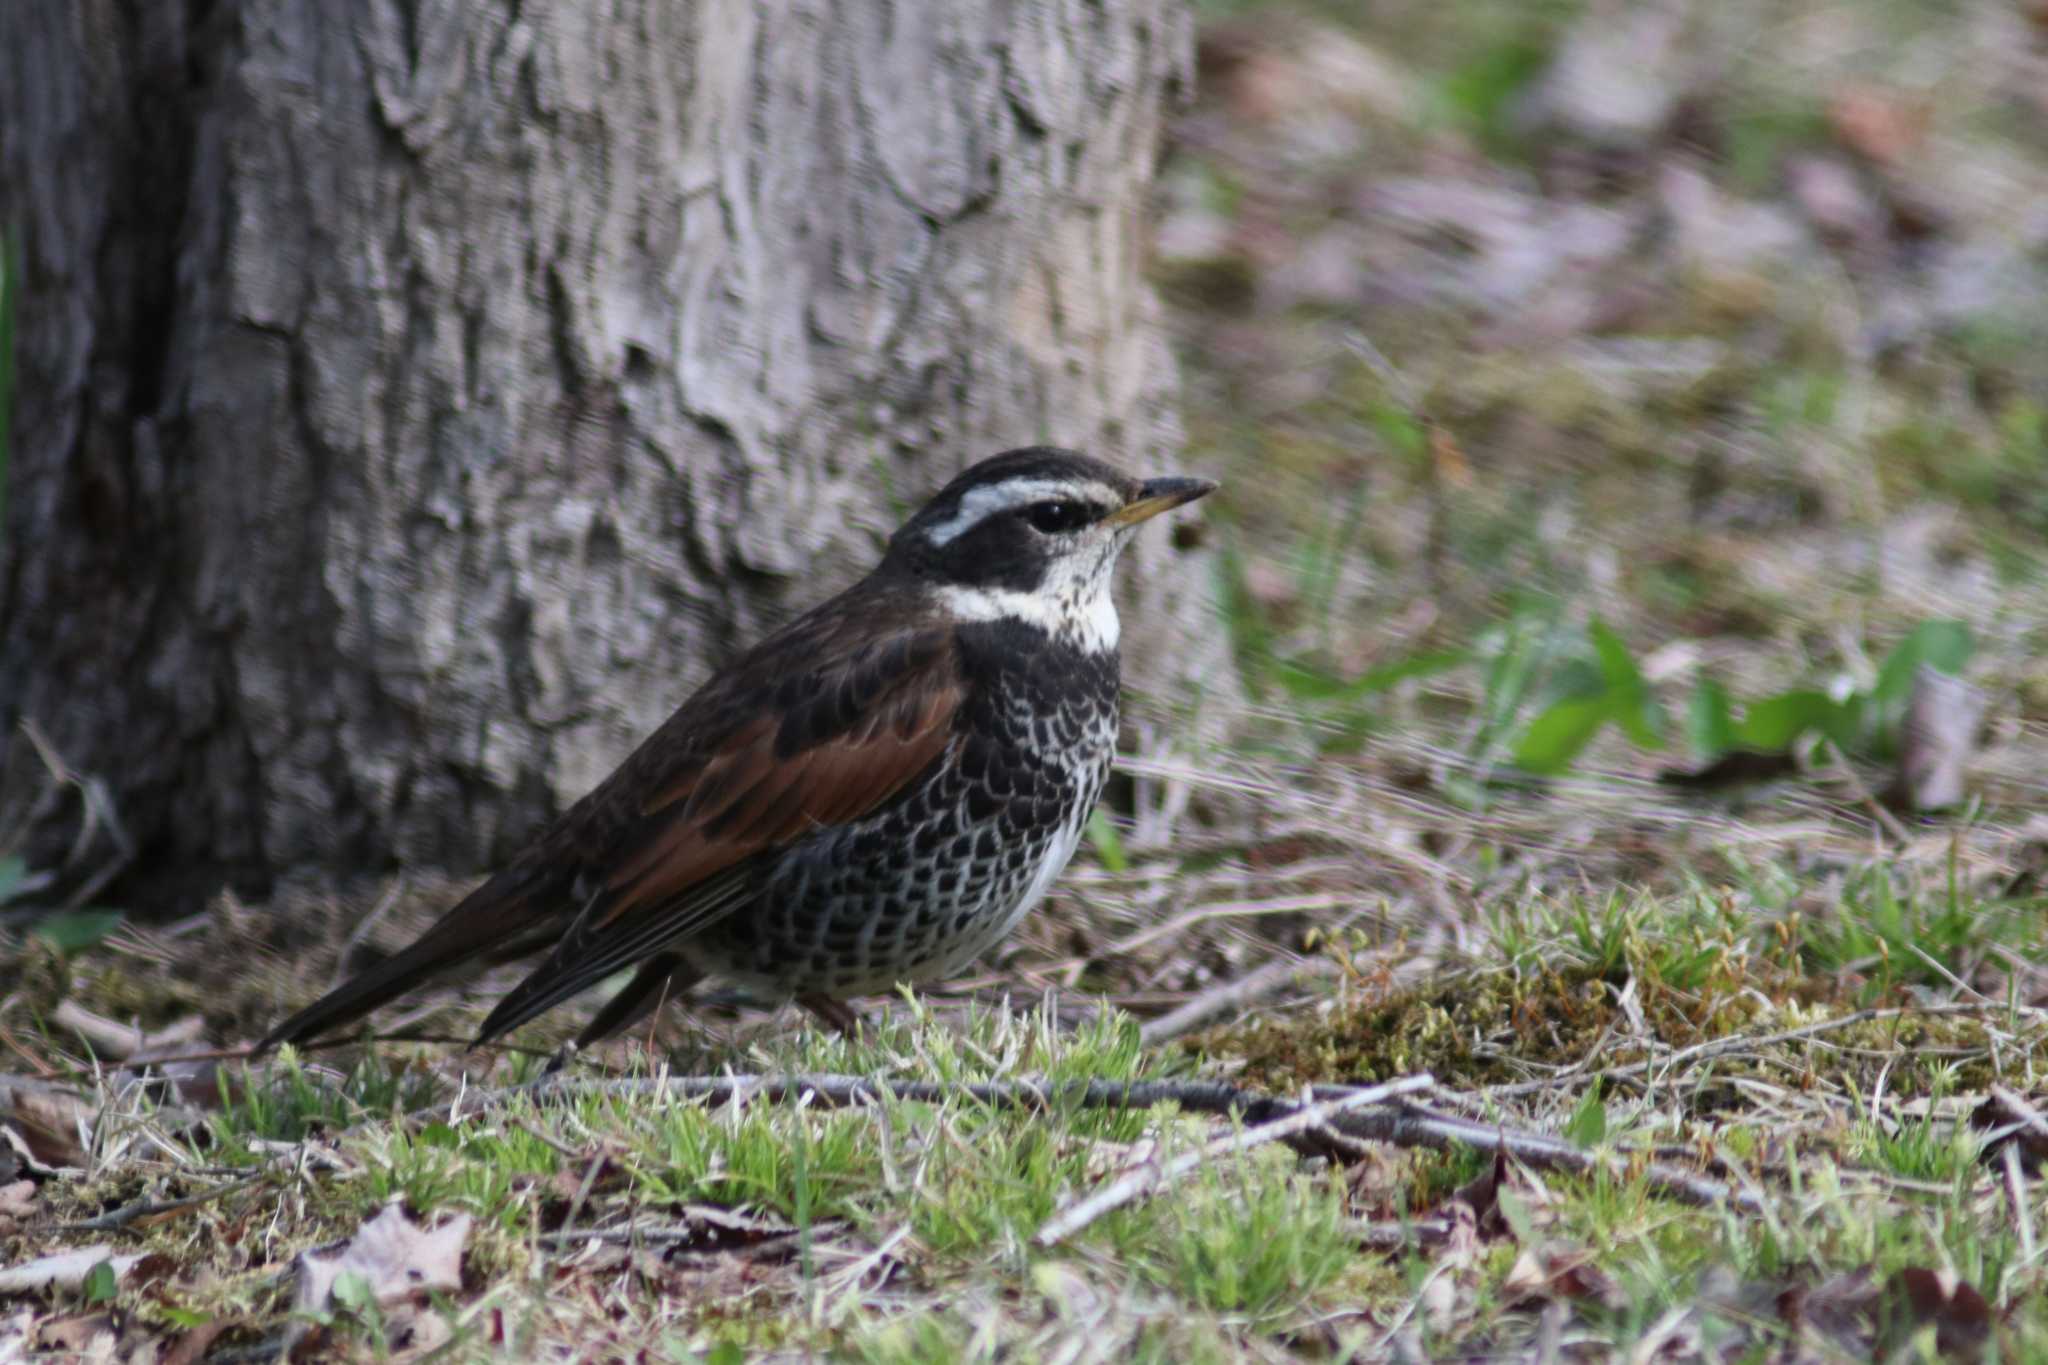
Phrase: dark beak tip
{"type": "Point", "coordinates": [1178, 488]}
{"type": "Point", "coordinates": [1161, 495]}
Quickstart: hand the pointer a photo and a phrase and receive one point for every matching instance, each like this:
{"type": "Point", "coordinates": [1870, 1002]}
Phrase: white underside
{"type": "Point", "coordinates": [1058, 854]}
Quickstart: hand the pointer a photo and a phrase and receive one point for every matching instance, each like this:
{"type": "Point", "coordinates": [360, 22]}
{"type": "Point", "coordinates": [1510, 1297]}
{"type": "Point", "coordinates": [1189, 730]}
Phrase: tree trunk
{"type": "Point", "coordinates": [417, 398]}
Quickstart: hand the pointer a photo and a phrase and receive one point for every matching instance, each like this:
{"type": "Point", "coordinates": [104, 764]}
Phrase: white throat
{"type": "Point", "coordinates": [1086, 619]}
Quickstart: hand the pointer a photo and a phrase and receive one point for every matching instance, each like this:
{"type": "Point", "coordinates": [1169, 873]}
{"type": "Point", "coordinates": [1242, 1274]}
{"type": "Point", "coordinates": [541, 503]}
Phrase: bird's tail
{"type": "Point", "coordinates": [505, 917]}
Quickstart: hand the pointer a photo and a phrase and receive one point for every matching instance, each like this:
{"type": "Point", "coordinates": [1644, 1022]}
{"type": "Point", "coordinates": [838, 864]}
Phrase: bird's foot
{"type": "Point", "coordinates": [836, 1013]}
{"type": "Point", "coordinates": [564, 1055]}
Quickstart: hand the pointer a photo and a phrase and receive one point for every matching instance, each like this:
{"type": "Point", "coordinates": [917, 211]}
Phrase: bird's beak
{"type": "Point", "coordinates": [1160, 495]}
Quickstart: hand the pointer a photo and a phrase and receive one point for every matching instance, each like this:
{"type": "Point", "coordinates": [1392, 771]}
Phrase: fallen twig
{"type": "Point", "coordinates": [704, 1225]}
{"type": "Point", "coordinates": [1699, 1052]}
{"type": "Point", "coordinates": [1339, 1134]}
{"type": "Point", "coordinates": [1149, 1177]}
{"type": "Point", "coordinates": [1406, 1125]}
{"type": "Point", "coordinates": [147, 1208]}
{"type": "Point", "coordinates": [2024, 1115]}
{"type": "Point", "coordinates": [1245, 989]}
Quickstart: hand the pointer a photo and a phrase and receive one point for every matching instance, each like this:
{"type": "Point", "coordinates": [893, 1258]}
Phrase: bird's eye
{"type": "Point", "coordinates": [1055, 517]}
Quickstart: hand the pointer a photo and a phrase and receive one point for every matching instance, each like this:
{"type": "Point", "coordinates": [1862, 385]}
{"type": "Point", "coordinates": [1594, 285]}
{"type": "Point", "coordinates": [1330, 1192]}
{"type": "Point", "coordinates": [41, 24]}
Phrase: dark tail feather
{"type": "Point", "coordinates": [487, 921]}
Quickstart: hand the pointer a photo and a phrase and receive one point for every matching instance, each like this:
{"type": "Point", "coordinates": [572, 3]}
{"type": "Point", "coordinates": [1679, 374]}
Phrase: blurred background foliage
{"type": "Point", "coordinates": [1576, 363]}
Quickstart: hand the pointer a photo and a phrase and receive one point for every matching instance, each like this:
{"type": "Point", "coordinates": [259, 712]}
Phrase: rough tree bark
{"type": "Point", "coordinates": [417, 397]}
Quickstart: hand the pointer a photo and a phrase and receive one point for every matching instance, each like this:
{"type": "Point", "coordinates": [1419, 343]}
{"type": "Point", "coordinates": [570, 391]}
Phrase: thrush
{"type": "Point", "coordinates": [874, 795]}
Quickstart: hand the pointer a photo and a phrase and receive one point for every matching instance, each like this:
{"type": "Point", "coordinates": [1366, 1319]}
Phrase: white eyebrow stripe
{"type": "Point", "coordinates": [982, 503]}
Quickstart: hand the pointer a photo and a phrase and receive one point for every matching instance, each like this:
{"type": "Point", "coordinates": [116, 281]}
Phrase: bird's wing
{"type": "Point", "coordinates": [808, 729]}
{"type": "Point", "coordinates": [830, 743]}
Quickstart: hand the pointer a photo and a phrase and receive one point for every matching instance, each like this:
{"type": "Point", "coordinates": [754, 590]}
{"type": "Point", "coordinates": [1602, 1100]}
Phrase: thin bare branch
{"type": "Point", "coordinates": [1149, 1177]}
{"type": "Point", "coordinates": [1253, 986]}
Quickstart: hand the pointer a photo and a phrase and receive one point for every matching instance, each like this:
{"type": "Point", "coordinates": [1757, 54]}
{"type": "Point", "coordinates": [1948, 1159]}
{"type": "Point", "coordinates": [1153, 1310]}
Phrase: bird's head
{"type": "Point", "coordinates": [1033, 535]}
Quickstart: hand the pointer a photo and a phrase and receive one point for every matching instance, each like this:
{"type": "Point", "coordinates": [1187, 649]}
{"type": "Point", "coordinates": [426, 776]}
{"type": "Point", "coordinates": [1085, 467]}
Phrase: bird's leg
{"type": "Point", "coordinates": [837, 1013]}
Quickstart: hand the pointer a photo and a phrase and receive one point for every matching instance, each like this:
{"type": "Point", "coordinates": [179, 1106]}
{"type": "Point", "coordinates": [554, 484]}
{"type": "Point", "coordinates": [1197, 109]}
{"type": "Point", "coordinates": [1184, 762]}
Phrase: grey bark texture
{"type": "Point", "coordinates": [418, 397]}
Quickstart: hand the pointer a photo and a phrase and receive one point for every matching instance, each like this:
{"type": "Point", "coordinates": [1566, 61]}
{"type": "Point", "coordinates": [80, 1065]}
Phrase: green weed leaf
{"type": "Point", "coordinates": [1710, 720]}
{"type": "Point", "coordinates": [101, 1284]}
{"type": "Point", "coordinates": [1516, 1213]}
{"type": "Point", "coordinates": [1944, 646]}
{"type": "Point", "coordinates": [73, 931]}
{"type": "Point", "coordinates": [1587, 1126]}
{"type": "Point", "coordinates": [1399, 429]}
{"type": "Point", "coordinates": [1108, 844]}
{"type": "Point", "coordinates": [13, 872]}
{"type": "Point", "coordinates": [1479, 94]}
{"type": "Point", "coordinates": [1555, 738]}
{"type": "Point", "coordinates": [1617, 666]}
{"type": "Point", "coordinates": [1642, 719]}
{"type": "Point", "coordinates": [1771, 725]}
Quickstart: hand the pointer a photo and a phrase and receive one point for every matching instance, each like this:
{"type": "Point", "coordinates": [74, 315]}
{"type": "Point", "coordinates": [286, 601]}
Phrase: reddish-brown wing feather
{"type": "Point", "coordinates": [839, 741]}
{"type": "Point", "coordinates": [760, 790]}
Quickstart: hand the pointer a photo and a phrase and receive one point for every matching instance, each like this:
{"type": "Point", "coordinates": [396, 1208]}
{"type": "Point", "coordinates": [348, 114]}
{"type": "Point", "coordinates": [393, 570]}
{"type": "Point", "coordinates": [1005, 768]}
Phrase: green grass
{"type": "Point", "coordinates": [1248, 1239]}
{"type": "Point", "coordinates": [1865, 1160]}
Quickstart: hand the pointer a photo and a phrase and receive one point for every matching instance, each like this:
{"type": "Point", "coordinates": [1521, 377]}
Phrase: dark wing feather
{"type": "Point", "coordinates": [876, 720]}
{"type": "Point", "coordinates": [817, 725]}
{"type": "Point", "coordinates": [508, 916]}
{"type": "Point", "coordinates": [661, 977]}
{"type": "Point", "coordinates": [581, 960]}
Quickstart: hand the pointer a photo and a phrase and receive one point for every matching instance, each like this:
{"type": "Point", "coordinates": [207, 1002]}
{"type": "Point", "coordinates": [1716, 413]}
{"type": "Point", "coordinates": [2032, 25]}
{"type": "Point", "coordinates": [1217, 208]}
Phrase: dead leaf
{"type": "Point", "coordinates": [1837, 1310]}
{"type": "Point", "coordinates": [49, 1120]}
{"type": "Point", "coordinates": [1562, 1272]}
{"type": "Point", "coordinates": [78, 1333]}
{"type": "Point", "coordinates": [63, 1270]}
{"type": "Point", "coordinates": [392, 1253]}
{"type": "Point", "coordinates": [2013, 1120]}
{"type": "Point", "coordinates": [1452, 468]}
{"type": "Point", "coordinates": [191, 1348]}
{"type": "Point", "coordinates": [1618, 73]}
{"type": "Point", "coordinates": [1961, 1317]}
{"type": "Point", "coordinates": [399, 1264]}
{"type": "Point", "coordinates": [1878, 124]}
{"type": "Point", "coordinates": [1482, 1195]}
{"type": "Point", "coordinates": [1267, 585]}
{"type": "Point", "coordinates": [18, 1199]}
{"type": "Point", "coordinates": [15, 1330]}
{"type": "Point", "coordinates": [1303, 75]}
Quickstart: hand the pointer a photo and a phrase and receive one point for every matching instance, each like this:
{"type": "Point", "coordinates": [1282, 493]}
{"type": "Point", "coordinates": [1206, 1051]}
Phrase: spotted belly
{"type": "Point", "coordinates": [915, 893]}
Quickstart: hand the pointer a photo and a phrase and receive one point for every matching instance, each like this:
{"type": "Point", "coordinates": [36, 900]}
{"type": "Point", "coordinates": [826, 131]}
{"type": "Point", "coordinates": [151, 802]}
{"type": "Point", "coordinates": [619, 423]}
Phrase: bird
{"type": "Point", "coordinates": [872, 796]}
